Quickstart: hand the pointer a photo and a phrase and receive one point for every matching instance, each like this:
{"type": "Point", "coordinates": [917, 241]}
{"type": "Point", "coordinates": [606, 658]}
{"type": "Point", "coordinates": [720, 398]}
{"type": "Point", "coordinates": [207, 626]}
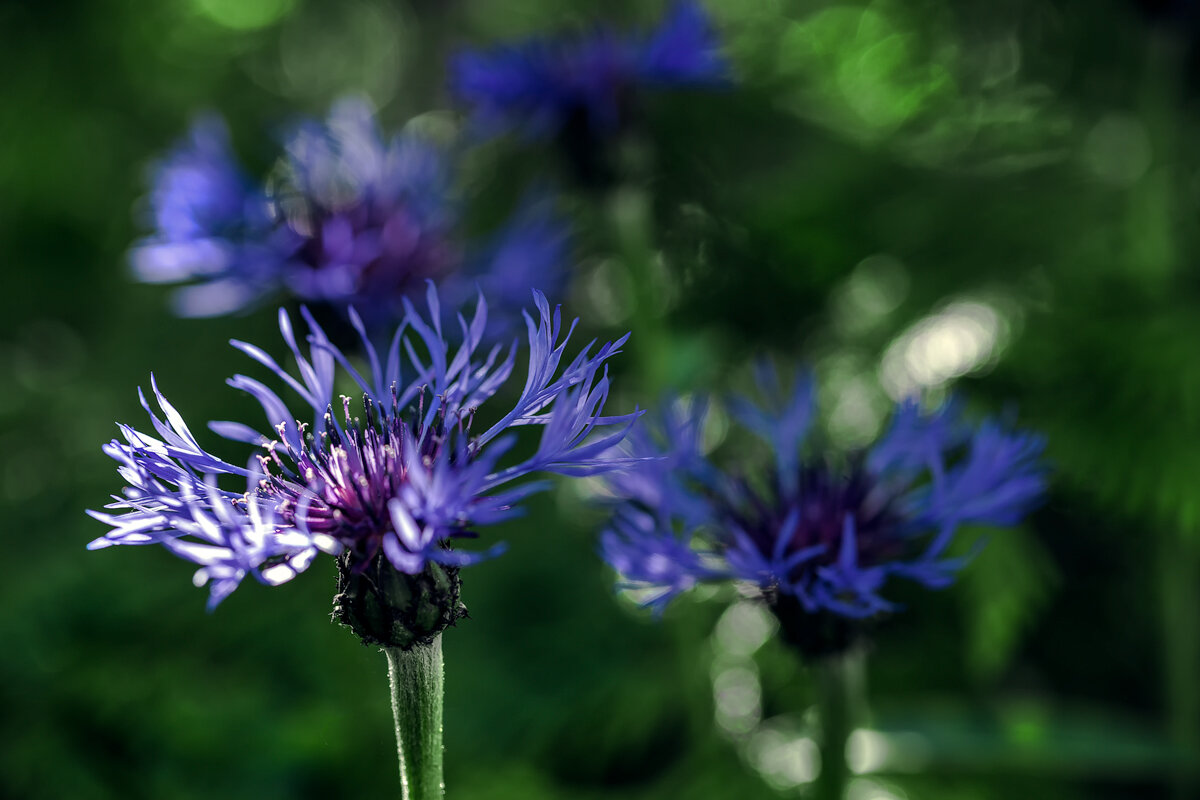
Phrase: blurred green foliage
{"type": "Point", "coordinates": [905, 193]}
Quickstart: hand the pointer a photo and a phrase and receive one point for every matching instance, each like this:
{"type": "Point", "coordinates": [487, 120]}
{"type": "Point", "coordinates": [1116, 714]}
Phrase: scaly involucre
{"type": "Point", "coordinates": [399, 470]}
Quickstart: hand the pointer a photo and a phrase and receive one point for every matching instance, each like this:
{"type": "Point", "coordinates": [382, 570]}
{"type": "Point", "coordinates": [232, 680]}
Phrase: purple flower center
{"type": "Point", "coordinates": [824, 497]}
{"type": "Point", "coordinates": [341, 482]}
{"type": "Point", "coordinates": [366, 246]}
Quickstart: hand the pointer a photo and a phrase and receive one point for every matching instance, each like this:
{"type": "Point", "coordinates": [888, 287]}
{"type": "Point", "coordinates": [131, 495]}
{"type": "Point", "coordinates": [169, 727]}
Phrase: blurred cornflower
{"type": "Point", "coordinates": [346, 218]}
{"type": "Point", "coordinates": [820, 536]}
{"type": "Point", "coordinates": [212, 226]}
{"type": "Point", "coordinates": [393, 481]}
{"type": "Point", "coordinates": [580, 89]}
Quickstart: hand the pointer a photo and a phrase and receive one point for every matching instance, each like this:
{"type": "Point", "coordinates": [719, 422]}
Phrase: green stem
{"type": "Point", "coordinates": [841, 687]}
{"type": "Point", "coordinates": [415, 677]}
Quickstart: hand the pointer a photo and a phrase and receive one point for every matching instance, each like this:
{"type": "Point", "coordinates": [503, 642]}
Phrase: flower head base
{"type": "Point", "coordinates": [346, 218]}
{"type": "Point", "coordinates": [820, 537]}
{"type": "Point", "coordinates": [394, 609]}
{"type": "Point", "coordinates": [395, 486]}
{"type": "Point", "coordinates": [581, 88]}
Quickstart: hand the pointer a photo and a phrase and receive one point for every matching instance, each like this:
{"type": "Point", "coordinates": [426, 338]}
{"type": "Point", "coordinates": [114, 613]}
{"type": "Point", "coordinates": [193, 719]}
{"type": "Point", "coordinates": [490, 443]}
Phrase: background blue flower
{"type": "Point", "coordinates": [211, 226]}
{"type": "Point", "coordinates": [346, 217]}
{"type": "Point", "coordinates": [810, 528]}
{"type": "Point", "coordinates": [542, 85]}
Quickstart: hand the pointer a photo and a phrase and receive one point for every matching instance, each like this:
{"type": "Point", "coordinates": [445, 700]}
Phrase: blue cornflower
{"type": "Point", "coordinates": [211, 226]}
{"type": "Point", "coordinates": [361, 217]}
{"type": "Point", "coordinates": [394, 486]}
{"type": "Point", "coordinates": [346, 218]}
{"type": "Point", "coordinates": [545, 85]}
{"type": "Point", "coordinates": [821, 537]}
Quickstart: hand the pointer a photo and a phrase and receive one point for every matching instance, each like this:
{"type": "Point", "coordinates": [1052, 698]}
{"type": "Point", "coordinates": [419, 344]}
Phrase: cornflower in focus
{"type": "Point", "coordinates": [581, 89]}
{"type": "Point", "coordinates": [820, 536]}
{"type": "Point", "coordinates": [346, 218]}
{"type": "Point", "coordinates": [393, 480]}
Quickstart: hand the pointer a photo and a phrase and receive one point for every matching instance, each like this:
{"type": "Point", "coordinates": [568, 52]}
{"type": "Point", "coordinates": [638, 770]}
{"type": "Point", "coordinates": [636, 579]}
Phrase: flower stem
{"type": "Point", "coordinates": [415, 677]}
{"type": "Point", "coordinates": [841, 696]}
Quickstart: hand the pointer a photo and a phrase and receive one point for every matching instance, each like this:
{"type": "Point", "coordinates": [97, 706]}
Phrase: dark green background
{"type": "Point", "coordinates": [1035, 157]}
